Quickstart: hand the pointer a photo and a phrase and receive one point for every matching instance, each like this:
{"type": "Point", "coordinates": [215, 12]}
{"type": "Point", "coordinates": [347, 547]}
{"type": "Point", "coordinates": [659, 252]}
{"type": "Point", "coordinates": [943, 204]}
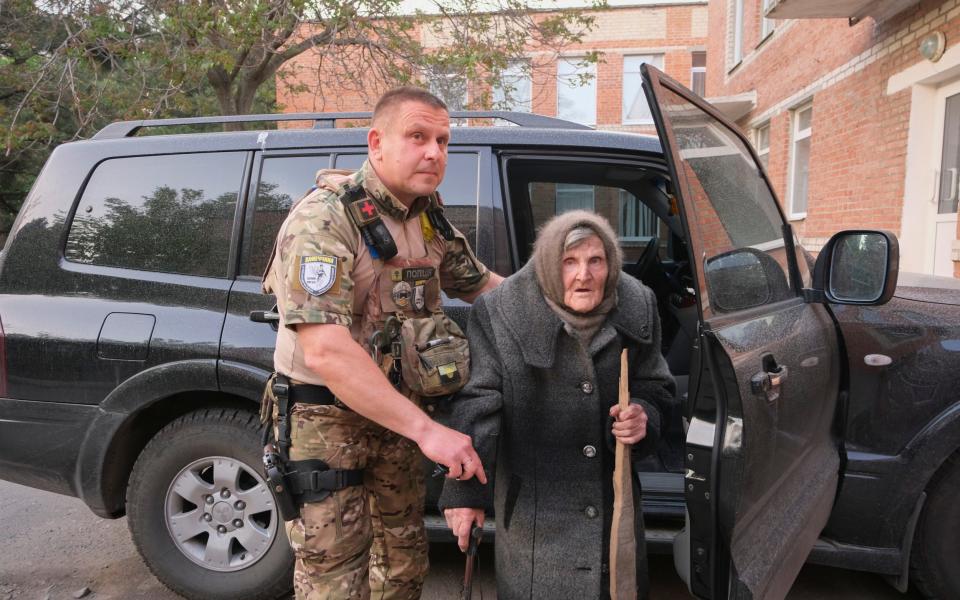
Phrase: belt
{"type": "Point", "coordinates": [319, 395]}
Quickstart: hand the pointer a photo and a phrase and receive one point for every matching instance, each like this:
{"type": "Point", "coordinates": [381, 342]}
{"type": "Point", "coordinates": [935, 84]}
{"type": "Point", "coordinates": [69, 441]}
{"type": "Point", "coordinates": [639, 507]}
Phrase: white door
{"type": "Point", "coordinates": [944, 201]}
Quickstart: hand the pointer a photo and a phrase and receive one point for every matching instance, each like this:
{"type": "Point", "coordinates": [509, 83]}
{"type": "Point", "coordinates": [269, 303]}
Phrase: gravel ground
{"type": "Point", "coordinates": [55, 548]}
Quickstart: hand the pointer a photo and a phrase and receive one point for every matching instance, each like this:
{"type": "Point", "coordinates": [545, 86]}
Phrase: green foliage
{"type": "Point", "coordinates": [69, 67]}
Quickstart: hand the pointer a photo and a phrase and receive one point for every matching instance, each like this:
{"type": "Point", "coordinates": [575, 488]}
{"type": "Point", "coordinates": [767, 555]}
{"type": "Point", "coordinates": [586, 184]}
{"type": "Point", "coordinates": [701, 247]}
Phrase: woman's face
{"type": "Point", "coordinates": [584, 275]}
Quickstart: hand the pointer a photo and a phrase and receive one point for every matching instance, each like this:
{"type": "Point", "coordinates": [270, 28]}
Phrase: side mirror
{"type": "Point", "coordinates": [744, 278]}
{"type": "Point", "coordinates": [856, 267]}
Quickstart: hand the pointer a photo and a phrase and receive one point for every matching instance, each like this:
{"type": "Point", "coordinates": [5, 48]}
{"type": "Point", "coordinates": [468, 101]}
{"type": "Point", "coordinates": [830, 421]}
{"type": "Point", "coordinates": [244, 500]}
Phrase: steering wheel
{"type": "Point", "coordinates": [647, 257]}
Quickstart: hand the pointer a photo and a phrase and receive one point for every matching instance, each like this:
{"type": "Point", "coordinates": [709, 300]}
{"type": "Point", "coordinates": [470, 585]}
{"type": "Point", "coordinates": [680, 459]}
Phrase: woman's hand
{"type": "Point", "coordinates": [630, 424]}
{"type": "Point", "coordinates": [459, 520]}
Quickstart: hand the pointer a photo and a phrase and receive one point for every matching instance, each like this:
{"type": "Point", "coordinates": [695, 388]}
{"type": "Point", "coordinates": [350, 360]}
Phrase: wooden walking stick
{"type": "Point", "coordinates": [623, 540]}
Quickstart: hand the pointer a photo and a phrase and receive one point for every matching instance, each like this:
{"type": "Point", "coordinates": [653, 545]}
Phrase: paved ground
{"type": "Point", "coordinates": [55, 547]}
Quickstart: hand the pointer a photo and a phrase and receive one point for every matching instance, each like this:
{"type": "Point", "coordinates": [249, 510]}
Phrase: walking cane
{"type": "Point", "coordinates": [623, 540]}
{"type": "Point", "coordinates": [476, 534]}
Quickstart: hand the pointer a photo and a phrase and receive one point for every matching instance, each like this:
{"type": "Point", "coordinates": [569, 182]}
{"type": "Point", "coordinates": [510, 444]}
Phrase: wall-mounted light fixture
{"type": "Point", "coordinates": [932, 46]}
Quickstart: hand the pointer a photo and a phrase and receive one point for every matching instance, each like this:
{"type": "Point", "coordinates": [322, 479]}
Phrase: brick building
{"type": "Point", "coordinates": [669, 34]}
{"type": "Point", "coordinates": [856, 127]}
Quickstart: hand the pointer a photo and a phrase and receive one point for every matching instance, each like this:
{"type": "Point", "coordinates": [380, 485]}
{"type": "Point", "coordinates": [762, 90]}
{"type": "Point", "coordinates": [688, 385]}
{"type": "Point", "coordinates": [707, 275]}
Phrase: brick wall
{"type": "Point", "coordinates": [671, 30]}
{"type": "Point", "coordinates": [859, 133]}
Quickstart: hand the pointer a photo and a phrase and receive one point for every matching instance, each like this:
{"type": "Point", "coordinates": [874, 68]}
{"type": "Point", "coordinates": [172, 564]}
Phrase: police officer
{"type": "Point", "coordinates": [357, 260]}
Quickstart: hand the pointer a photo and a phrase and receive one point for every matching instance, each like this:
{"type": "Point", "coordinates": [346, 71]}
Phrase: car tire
{"type": "Point", "coordinates": [933, 559]}
{"type": "Point", "coordinates": [202, 516]}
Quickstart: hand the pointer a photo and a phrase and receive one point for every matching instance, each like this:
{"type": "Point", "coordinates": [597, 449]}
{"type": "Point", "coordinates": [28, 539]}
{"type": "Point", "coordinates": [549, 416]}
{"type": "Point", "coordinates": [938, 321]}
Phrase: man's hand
{"type": "Point", "coordinates": [453, 450]}
{"type": "Point", "coordinates": [630, 424]}
{"type": "Point", "coordinates": [460, 520]}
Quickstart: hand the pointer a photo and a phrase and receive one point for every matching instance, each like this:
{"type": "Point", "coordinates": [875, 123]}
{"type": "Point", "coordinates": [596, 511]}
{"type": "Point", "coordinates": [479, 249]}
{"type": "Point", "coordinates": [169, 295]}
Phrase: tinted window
{"type": "Point", "coordinates": [733, 215]}
{"type": "Point", "coordinates": [283, 181]}
{"type": "Point", "coordinates": [171, 214]}
{"type": "Point", "coordinates": [286, 179]}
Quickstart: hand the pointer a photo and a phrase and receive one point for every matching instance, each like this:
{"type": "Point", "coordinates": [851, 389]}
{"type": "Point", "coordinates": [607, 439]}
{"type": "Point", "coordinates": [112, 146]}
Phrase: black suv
{"type": "Point", "coordinates": [818, 416]}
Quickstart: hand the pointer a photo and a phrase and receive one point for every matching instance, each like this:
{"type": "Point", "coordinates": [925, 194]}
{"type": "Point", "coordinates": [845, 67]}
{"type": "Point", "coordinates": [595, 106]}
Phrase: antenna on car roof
{"type": "Point", "coordinates": [122, 129]}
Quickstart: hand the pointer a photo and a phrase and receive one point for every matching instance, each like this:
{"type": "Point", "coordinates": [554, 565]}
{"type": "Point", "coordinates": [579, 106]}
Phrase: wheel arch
{"type": "Point", "coordinates": [928, 451]}
{"type": "Point", "coordinates": [927, 455]}
{"type": "Point", "coordinates": [133, 413]}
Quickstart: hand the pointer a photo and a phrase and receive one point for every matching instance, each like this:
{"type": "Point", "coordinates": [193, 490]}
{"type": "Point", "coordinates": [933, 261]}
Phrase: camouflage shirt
{"type": "Point", "coordinates": [322, 271]}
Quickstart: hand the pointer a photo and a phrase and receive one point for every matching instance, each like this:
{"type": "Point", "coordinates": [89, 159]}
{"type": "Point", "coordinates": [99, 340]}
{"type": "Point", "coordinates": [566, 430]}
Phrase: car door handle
{"type": "Point", "coordinates": [768, 383]}
{"type": "Point", "coordinates": [265, 316]}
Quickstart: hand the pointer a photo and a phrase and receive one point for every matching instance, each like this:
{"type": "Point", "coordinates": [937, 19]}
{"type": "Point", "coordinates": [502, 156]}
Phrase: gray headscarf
{"type": "Point", "coordinates": [547, 254]}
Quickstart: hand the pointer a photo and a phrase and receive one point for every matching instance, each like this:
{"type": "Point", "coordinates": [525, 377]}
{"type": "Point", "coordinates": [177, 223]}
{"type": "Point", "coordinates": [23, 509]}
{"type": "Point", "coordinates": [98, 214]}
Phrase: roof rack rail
{"type": "Point", "coordinates": [122, 129]}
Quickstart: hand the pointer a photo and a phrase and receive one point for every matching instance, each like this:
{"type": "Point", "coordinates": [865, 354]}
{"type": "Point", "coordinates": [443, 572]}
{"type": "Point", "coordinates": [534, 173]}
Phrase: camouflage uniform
{"type": "Point", "coordinates": [368, 538]}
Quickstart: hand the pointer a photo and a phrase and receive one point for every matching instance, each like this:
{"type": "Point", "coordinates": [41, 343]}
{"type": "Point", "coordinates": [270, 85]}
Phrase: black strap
{"type": "Point", "coordinates": [313, 480]}
{"type": "Point", "coordinates": [312, 394]}
{"type": "Point", "coordinates": [365, 216]}
{"type": "Point", "coordinates": [281, 391]}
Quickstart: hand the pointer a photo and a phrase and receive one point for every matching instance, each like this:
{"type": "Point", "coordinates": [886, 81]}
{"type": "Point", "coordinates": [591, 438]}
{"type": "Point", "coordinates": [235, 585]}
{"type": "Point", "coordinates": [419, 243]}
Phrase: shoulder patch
{"type": "Point", "coordinates": [318, 274]}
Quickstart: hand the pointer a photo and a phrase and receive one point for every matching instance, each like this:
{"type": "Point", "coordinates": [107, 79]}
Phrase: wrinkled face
{"type": "Point", "coordinates": [584, 275]}
{"type": "Point", "coordinates": [408, 149]}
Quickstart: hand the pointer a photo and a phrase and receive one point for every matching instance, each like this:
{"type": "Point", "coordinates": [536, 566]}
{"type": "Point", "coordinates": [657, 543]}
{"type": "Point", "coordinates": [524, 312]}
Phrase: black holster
{"type": "Point", "coordinates": [295, 483]}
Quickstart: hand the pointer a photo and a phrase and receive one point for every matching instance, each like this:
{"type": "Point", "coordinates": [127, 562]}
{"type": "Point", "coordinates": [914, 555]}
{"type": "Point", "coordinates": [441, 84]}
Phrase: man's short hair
{"type": "Point", "coordinates": [406, 93]}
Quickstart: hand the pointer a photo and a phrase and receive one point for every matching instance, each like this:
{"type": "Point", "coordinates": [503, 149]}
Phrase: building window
{"type": "Point", "coordinates": [766, 25]}
{"type": "Point", "coordinates": [637, 221]}
{"type": "Point", "coordinates": [698, 73]}
{"type": "Point", "coordinates": [763, 145]}
{"type": "Point", "coordinates": [736, 51]}
{"type": "Point", "coordinates": [574, 196]}
{"type": "Point", "coordinates": [449, 87]}
{"type": "Point", "coordinates": [577, 91]}
{"type": "Point", "coordinates": [635, 109]}
{"type": "Point", "coordinates": [514, 91]}
{"type": "Point", "coordinates": [800, 161]}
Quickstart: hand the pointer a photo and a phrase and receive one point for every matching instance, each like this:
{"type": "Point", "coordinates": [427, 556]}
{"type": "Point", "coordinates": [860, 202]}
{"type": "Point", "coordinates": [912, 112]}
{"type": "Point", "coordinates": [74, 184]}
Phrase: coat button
{"type": "Point", "coordinates": [589, 451]}
{"type": "Point", "coordinates": [591, 512]}
{"type": "Point", "coordinates": [586, 387]}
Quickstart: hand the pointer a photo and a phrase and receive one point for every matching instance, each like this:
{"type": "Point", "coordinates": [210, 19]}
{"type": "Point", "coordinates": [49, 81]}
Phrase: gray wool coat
{"type": "Point", "coordinates": [537, 408]}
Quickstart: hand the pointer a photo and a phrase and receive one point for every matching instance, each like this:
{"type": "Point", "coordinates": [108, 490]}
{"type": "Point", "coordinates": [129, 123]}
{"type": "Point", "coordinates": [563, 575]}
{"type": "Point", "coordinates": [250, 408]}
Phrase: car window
{"type": "Point", "coordinates": [732, 213]}
{"type": "Point", "coordinates": [634, 222]}
{"type": "Point", "coordinates": [540, 189]}
{"type": "Point", "coordinates": [283, 181]}
{"type": "Point", "coordinates": [171, 213]}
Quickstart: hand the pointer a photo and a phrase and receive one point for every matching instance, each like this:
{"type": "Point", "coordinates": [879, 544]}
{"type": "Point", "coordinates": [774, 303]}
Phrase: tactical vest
{"type": "Point", "coordinates": [403, 326]}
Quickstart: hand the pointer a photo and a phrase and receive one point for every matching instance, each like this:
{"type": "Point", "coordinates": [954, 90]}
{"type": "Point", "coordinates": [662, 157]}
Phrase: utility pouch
{"type": "Point", "coordinates": [435, 355]}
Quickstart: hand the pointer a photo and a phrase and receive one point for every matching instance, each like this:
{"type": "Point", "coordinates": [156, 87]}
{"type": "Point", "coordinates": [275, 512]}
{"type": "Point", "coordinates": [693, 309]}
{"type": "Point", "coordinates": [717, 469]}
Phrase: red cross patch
{"type": "Point", "coordinates": [367, 208]}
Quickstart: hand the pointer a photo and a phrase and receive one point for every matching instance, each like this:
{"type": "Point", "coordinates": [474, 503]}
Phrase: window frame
{"type": "Point", "coordinates": [694, 70]}
{"type": "Point", "coordinates": [233, 242]}
{"type": "Point", "coordinates": [797, 135]}
{"type": "Point", "coordinates": [450, 77]}
{"type": "Point", "coordinates": [520, 227]}
{"type": "Point", "coordinates": [244, 259]}
{"type": "Point", "coordinates": [767, 26]}
{"type": "Point", "coordinates": [573, 61]}
{"type": "Point", "coordinates": [524, 75]}
{"type": "Point", "coordinates": [623, 88]}
{"type": "Point", "coordinates": [736, 50]}
{"type": "Point", "coordinates": [761, 151]}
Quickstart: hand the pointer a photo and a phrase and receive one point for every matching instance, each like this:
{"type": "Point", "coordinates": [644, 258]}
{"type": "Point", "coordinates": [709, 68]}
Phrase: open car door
{"type": "Point", "coordinates": [762, 459]}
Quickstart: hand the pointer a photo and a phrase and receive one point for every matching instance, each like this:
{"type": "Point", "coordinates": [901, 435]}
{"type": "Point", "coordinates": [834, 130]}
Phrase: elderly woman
{"type": "Point", "coordinates": [541, 406]}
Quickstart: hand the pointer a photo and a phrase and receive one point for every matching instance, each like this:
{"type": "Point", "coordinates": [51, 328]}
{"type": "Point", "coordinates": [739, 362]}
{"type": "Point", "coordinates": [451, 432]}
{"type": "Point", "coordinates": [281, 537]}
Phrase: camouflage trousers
{"type": "Point", "coordinates": [363, 541]}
